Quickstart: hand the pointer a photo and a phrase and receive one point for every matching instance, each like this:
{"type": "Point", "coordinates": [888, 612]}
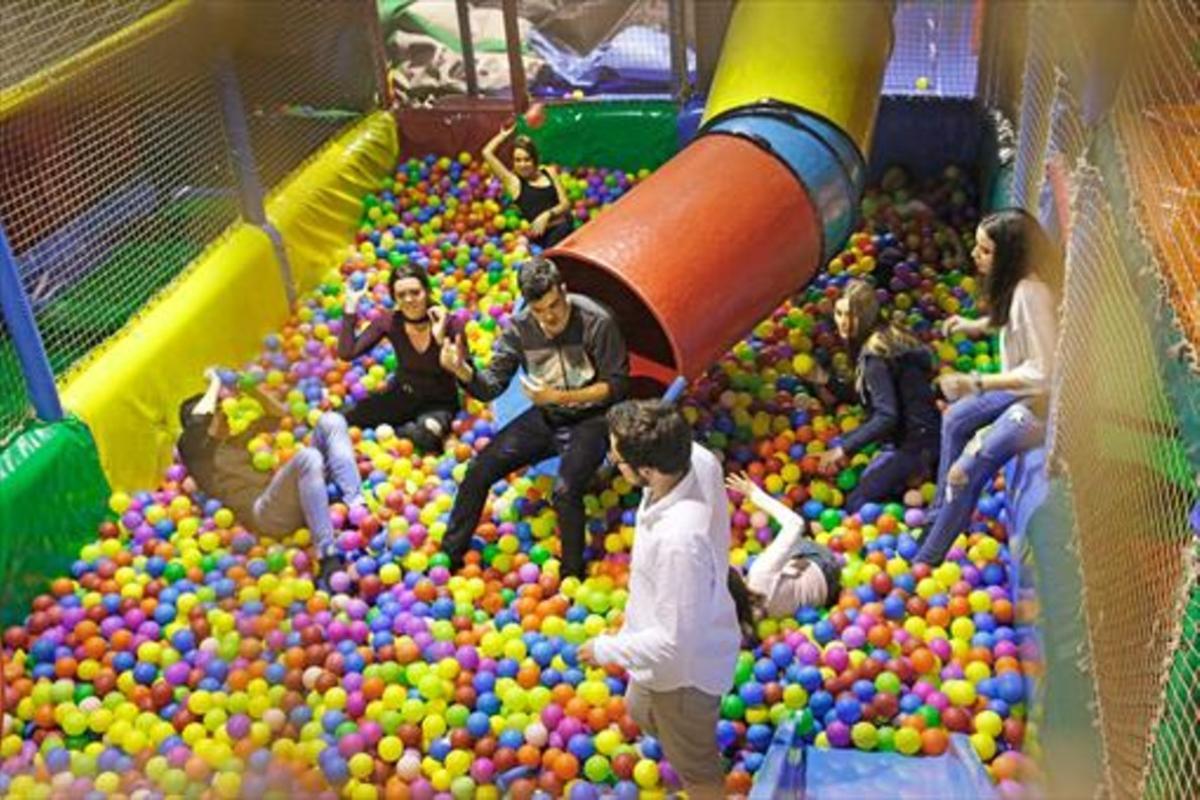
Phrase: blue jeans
{"type": "Point", "coordinates": [890, 471]}
{"type": "Point", "coordinates": [297, 495]}
{"type": "Point", "coordinates": [1005, 428]}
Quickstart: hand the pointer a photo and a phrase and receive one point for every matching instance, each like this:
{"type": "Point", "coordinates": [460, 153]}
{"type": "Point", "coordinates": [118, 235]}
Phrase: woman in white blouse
{"type": "Point", "coordinates": [994, 417]}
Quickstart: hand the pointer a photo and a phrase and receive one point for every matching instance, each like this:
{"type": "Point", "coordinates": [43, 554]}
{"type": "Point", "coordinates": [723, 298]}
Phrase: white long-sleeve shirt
{"type": "Point", "coordinates": [772, 574]}
{"type": "Point", "coordinates": [1028, 340]}
{"type": "Point", "coordinates": [680, 627]}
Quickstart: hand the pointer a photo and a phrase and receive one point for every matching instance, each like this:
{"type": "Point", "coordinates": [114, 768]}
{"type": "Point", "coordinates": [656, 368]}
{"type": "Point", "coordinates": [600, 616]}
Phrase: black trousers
{"type": "Point", "coordinates": [555, 233]}
{"type": "Point", "coordinates": [526, 440]}
{"type": "Point", "coordinates": [424, 425]}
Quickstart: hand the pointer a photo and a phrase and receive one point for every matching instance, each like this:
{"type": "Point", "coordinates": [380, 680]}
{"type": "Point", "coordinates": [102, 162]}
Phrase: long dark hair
{"type": "Point", "coordinates": [523, 142]}
{"type": "Point", "coordinates": [403, 271]}
{"type": "Point", "coordinates": [1022, 250]}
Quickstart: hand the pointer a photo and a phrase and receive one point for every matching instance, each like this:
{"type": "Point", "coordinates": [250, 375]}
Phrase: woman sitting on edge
{"type": "Point", "coordinates": [995, 417]}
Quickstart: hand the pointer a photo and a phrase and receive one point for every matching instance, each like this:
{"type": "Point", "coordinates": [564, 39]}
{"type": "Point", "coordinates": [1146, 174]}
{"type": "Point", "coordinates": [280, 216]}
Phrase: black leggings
{"type": "Point", "coordinates": [555, 234]}
{"type": "Point", "coordinates": [424, 425]}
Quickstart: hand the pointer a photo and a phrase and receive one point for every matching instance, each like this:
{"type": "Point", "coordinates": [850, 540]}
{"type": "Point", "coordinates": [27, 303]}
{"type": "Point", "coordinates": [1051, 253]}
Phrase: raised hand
{"type": "Point", "coordinates": [453, 360]}
{"type": "Point", "coordinates": [740, 482]}
{"type": "Point", "coordinates": [353, 298]}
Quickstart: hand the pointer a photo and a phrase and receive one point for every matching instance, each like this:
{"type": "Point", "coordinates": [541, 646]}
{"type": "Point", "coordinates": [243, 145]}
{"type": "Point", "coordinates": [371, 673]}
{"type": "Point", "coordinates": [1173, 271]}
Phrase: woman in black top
{"type": "Point", "coordinates": [535, 189]}
{"type": "Point", "coordinates": [892, 378]}
{"type": "Point", "coordinates": [423, 397]}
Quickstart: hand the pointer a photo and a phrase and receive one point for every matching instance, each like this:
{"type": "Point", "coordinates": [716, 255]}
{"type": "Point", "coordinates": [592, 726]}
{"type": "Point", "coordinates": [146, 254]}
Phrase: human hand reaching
{"type": "Point", "coordinates": [955, 385]}
{"type": "Point", "coordinates": [538, 393]}
{"type": "Point", "coordinates": [453, 360]}
{"type": "Point", "coordinates": [831, 459]}
{"type": "Point", "coordinates": [740, 482]}
{"type": "Point", "coordinates": [353, 298]}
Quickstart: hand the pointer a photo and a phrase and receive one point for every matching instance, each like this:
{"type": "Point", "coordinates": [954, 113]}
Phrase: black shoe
{"type": "Point", "coordinates": [330, 563]}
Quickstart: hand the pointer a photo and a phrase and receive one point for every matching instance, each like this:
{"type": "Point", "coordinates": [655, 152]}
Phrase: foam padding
{"type": "Point", "coordinates": [52, 496]}
{"type": "Point", "coordinates": [128, 390]}
{"type": "Point", "coordinates": [620, 134]}
{"type": "Point", "coordinates": [318, 209]}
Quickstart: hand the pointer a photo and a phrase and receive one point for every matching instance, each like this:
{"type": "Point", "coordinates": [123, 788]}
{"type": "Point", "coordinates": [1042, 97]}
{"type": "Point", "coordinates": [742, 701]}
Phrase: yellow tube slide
{"type": "Point", "coordinates": [821, 55]}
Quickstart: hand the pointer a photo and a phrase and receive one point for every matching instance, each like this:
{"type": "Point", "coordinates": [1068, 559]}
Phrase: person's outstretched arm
{"type": "Point", "coordinates": [511, 183]}
{"type": "Point", "coordinates": [791, 528]}
{"type": "Point", "coordinates": [490, 383]}
{"type": "Point", "coordinates": [350, 346]}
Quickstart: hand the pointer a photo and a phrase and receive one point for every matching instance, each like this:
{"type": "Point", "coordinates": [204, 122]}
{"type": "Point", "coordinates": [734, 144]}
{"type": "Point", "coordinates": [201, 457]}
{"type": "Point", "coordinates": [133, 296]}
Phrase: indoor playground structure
{"type": "Point", "coordinates": [190, 183]}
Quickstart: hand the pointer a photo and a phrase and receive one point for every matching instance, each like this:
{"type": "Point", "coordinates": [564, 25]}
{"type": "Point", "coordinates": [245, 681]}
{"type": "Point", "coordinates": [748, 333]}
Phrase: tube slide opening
{"type": "Point", "coordinates": [653, 364]}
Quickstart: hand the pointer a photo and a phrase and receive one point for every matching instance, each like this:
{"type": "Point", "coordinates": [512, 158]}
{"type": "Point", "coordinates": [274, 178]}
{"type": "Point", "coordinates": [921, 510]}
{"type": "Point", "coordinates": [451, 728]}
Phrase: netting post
{"type": "Point", "coordinates": [27, 340]}
{"type": "Point", "coordinates": [379, 59]}
{"type": "Point", "coordinates": [468, 46]}
{"type": "Point", "coordinates": [677, 25]}
{"type": "Point", "coordinates": [516, 64]}
{"type": "Point", "coordinates": [250, 189]}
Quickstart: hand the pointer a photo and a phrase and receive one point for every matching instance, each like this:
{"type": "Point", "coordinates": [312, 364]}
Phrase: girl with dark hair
{"type": "Point", "coordinates": [892, 379]}
{"type": "Point", "coordinates": [423, 398]}
{"type": "Point", "coordinates": [995, 417]}
{"type": "Point", "coordinates": [536, 190]}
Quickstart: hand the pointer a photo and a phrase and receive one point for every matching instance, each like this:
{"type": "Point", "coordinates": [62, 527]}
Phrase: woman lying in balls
{"type": "Point", "coordinates": [794, 571]}
{"type": "Point", "coordinates": [892, 379]}
{"type": "Point", "coordinates": [213, 448]}
{"type": "Point", "coordinates": [423, 397]}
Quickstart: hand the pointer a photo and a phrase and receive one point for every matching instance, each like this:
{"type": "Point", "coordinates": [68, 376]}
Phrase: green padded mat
{"type": "Point", "coordinates": [52, 495]}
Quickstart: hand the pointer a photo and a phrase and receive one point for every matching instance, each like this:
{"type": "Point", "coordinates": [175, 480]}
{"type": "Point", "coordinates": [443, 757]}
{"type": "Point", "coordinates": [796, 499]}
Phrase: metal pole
{"type": "Point", "coordinates": [516, 65]}
{"type": "Point", "coordinates": [468, 46]}
{"type": "Point", "coordinates": [378, 53]}
{"type": "Point", "coordinates": [677, 25]}
{"type": "Point", "coordinates": [27, 339]}
{"type": "Point", "coordinates": [250, 188]}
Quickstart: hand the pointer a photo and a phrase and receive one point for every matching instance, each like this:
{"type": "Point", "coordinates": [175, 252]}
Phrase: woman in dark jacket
{"type": "Point", "coordinates": [893, 380]}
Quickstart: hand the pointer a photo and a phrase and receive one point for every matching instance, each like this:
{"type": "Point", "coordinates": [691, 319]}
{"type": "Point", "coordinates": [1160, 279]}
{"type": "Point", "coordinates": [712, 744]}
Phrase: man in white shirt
{"type": "Point", "coordinates": [680, 638]}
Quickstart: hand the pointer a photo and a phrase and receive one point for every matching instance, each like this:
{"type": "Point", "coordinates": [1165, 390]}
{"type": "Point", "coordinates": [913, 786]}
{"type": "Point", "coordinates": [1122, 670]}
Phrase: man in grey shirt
{"type": "Point", "coordinates": [576, 367]}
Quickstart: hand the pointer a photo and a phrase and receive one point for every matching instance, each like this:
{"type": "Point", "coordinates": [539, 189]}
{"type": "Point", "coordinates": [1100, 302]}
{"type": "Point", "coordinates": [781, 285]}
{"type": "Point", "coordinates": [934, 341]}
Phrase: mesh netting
{"type": "Point", "coordinates": [1109, 128]}
{"type": "Point", "coordinates": [1130, 485]}
{"type": "Point", "coordinates": [936, 49]}
{"type": "Point", "coordinates": [116, 170]}
{"type": "Point", "coordinates": [1001, 57]}
{"type": "Point", "coordinates": [14, 401]}
{"type": "Point", "coordinates": [1037, 98]}
{"type": "Point", "coordinates": [306, 69]}
{"type": "Point", "coordinates": [35, 29]}
{"type": "Point", "coordinates": [1157, 114]}
{"type": "Point", "coordinates": [113, 178]}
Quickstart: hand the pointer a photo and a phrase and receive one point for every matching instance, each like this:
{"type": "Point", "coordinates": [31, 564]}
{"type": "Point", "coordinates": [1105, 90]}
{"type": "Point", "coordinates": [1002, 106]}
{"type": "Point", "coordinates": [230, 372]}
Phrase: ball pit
{"type": "Point", "coordinates": [183, 655]}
